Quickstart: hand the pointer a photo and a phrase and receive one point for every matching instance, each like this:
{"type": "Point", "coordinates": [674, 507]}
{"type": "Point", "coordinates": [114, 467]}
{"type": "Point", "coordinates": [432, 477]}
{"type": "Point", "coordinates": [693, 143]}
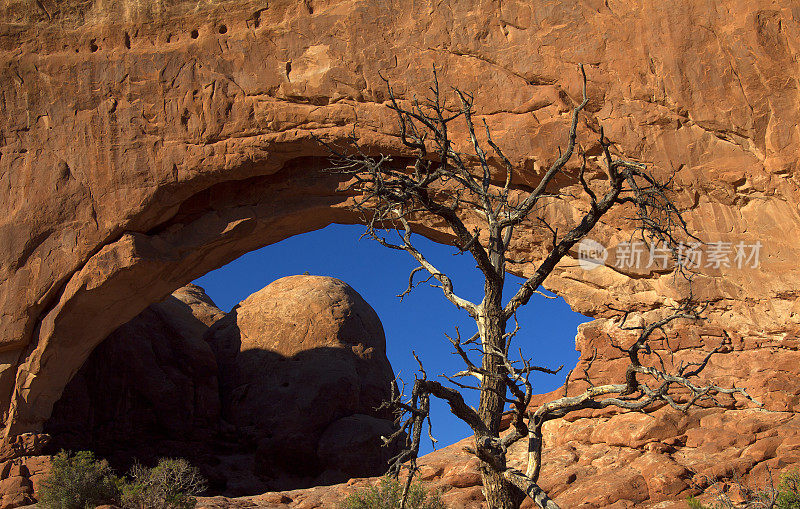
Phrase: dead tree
{"type": "Point", "coordinates": [436, 180]}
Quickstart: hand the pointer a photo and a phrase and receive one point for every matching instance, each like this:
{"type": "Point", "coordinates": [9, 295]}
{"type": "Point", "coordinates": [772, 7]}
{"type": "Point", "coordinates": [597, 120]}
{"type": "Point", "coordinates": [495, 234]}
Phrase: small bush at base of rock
{"type": "Point", "coordinates": [785, 496]}
{"type": "Point", "coordinates": [172, 484]}
{"type": "Point", "coordinates": [387, 496]}
{"type": "Point", "coordinates": [79, 481]}
{"type": "Point", "coordinates": [789, 491]}
{"type": "Point", "coordinates": [693, 503]}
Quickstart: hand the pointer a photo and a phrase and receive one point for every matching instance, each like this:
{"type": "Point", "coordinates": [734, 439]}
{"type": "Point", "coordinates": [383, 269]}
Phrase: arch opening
{"type": "Point", "coordinates": [419, 321]}
{"type": "Point", "coordinates": [376, 273]}
{"type": "Point", "coordinates": [134, 268]}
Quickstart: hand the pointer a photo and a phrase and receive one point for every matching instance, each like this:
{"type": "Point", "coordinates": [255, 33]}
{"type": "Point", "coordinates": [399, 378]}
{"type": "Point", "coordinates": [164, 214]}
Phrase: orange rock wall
{"type": "Point", "coordinates": [145, 143]}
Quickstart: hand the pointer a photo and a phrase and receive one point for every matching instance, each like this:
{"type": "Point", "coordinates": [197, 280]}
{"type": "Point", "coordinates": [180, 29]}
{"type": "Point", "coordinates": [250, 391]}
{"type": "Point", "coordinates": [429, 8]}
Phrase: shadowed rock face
{"type": "Point", "coordinates": [301, 362]}
{"type": "Point", "coordinates": [145, 143]}
{"type": "Point", "coordinates": [279, 393]}
{"type": "Point", "coordinates": [149, 390]}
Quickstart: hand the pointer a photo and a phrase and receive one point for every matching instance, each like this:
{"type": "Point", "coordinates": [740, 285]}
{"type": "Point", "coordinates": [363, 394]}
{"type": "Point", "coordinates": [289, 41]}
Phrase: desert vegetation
{"type": "Point", "coordinates": [784, 495]}
{"type": "Point", "coordinates": [388, 494]}
{"type": "Point", "coordinates": [81, 481]}
{"type": "Point", "coordinates": [78, 480]}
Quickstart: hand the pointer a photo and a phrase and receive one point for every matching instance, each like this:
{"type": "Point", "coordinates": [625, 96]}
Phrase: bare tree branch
{"type": "Point", "coordinates": [470, 193]}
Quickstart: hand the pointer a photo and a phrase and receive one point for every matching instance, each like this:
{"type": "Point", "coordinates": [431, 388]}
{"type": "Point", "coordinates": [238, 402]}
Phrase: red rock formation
{"type": "Point", "coordinates": [302, 369]}
{"type": "Point", "coordinates": [149, 390]}
{"type": "Point", "coordinates": [143, 144]}
{"type": "Point", "coordinates": [628, 459]}
{"type": "Point", "coordinates": [155, 373]}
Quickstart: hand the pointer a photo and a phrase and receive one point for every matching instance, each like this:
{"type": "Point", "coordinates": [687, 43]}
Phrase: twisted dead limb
{"type": "Point", "coordinates": [458, 189]}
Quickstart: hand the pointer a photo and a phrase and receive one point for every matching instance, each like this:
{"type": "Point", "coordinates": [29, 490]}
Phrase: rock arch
{"type": "Point", "coordinates": [138, 268]}
{"type": "Point", "coordinates": [142, 145]}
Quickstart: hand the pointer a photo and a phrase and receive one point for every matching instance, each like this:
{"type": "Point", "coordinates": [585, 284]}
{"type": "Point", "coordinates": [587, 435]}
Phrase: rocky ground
{"type": "Point", "coordinates": [591, 459]}
{"type": "Point", "coordinates": [630, 459]}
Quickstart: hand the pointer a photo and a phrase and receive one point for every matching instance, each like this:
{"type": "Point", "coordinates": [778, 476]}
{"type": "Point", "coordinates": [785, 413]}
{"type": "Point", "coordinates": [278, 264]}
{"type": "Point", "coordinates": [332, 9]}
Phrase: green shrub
{"type": "Point", "coordinates": [387, 496]}
{"type": "Point", "coordinates": [785, 496]}
{"type": "Point", "coordinates": [172, 484]}
{"type": "Point", "coordinates": [789, 491]}
{"type": "Point", "coordinates": [696, 504]}
{"type": "Point", "coordinates": [79, 481]}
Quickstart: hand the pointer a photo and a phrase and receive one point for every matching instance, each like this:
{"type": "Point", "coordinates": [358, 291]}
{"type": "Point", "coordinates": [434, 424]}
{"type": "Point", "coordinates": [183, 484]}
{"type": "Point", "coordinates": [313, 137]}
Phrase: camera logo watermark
{"type": "Point", "coordinates": [591, 254]}
{"type": "Point", "coordinates": [696, 255]}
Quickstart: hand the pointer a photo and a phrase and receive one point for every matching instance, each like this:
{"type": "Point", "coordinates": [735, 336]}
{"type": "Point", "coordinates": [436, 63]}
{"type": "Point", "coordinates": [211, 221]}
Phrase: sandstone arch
{"type": "Point", "coordinates": [142, 145]}
{"type": "Point", "coordinates": [139, 268]}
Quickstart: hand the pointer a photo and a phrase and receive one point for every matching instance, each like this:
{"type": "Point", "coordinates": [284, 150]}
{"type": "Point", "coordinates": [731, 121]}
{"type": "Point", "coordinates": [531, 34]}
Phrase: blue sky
{"type": "Point", "coordinates": [418, 322]}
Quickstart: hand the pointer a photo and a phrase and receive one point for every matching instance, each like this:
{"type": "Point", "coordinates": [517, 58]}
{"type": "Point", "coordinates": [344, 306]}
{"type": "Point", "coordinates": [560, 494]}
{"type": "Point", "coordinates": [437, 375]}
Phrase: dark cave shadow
{"type": "Point", "coordinates": [149, 391]}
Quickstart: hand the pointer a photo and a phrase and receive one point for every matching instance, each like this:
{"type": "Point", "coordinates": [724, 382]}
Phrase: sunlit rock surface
{"type": "Point", "coordinates": [145, 143]}
{"type": "Point", "coordinates": [303, 368]}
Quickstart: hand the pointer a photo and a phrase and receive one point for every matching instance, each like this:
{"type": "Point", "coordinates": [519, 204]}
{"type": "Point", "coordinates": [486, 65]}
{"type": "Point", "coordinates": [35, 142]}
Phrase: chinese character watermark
{"type": "Point", "coordinates": [629, 254]}
{"type": "Point", "coordinates": [752, 256]}
{"type": "Point", "coordinates": [695, 255]}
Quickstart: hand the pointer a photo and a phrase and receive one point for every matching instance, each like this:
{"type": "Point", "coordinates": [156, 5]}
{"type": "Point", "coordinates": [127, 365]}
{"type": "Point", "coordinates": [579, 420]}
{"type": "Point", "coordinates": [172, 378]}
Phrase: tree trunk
{"type": "Point", "coordinates": [499, 492]}
{"type": "Point", "coordinates": [524, 483]}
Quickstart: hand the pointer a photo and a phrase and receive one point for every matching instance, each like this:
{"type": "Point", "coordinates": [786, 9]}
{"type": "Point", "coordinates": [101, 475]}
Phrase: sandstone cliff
{"type": "Point", "coordinates": [145, 143]}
